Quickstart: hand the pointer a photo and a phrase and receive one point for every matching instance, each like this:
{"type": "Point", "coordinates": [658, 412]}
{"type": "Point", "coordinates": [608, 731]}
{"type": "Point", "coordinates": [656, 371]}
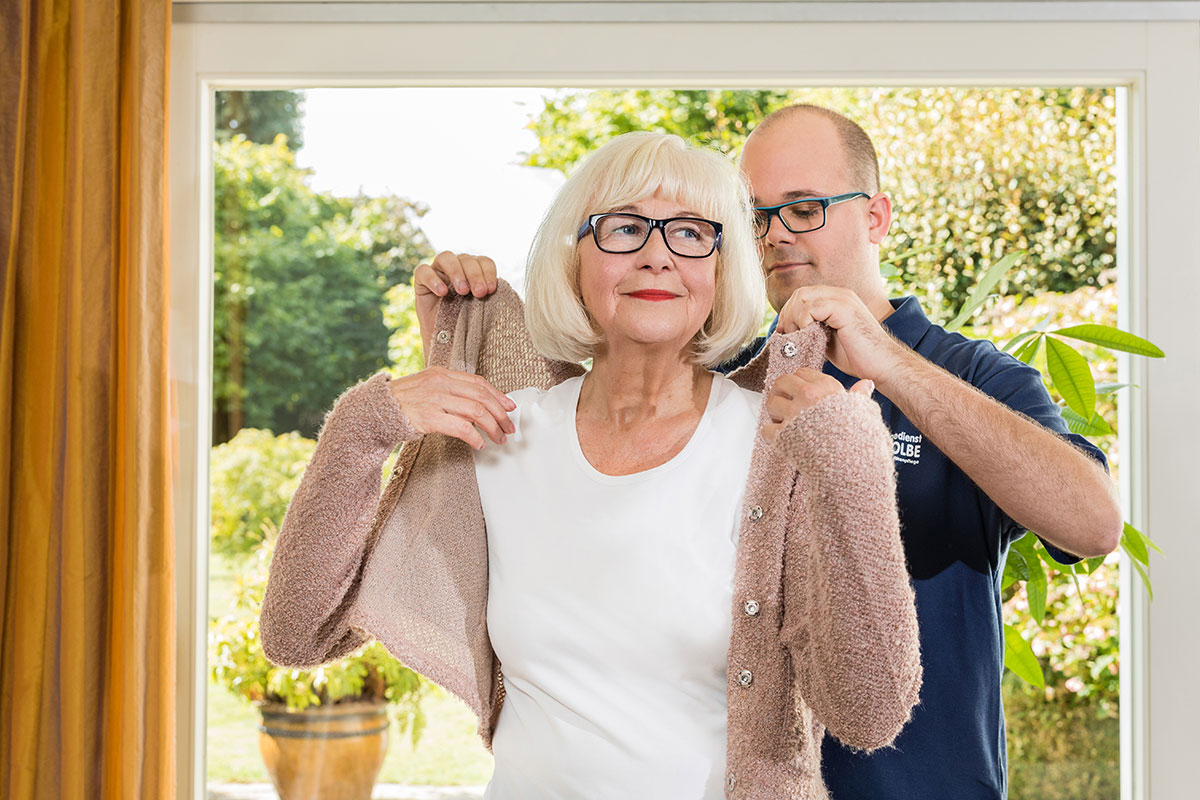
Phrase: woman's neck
{"type": "Point", "coordinates": [628, 389]}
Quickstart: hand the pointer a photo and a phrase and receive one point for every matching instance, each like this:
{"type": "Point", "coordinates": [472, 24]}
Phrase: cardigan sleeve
{"type": "Point", "coordinates": [315, 570]}
{"type": "Point", "coordinates": [849, 618]}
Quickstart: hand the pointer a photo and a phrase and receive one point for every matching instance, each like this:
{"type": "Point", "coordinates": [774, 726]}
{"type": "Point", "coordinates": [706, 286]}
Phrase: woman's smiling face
{"type": "Point", "coordinates": [651, 296]}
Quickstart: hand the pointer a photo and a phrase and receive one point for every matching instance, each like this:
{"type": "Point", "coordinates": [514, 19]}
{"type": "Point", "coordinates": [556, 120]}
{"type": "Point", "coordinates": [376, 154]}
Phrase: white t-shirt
{"type": "Point", "coordinates": [609, 604]}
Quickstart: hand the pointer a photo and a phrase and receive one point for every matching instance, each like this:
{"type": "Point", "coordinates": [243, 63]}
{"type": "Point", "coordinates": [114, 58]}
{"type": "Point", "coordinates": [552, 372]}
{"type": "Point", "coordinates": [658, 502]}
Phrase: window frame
{"type": "Point", "coordinates": [1156, 64]}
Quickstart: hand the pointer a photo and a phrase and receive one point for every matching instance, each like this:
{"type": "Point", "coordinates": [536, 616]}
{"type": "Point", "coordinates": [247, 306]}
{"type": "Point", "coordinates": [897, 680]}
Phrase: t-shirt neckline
{"type": "Point", "coordinates": [678, 459]}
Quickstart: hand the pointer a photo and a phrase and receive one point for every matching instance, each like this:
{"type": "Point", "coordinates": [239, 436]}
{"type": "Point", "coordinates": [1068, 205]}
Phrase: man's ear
{"type": "Point", "coordinates": [879, 217]}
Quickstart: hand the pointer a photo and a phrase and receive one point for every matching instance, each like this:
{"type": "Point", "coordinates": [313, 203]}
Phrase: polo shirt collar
{"type": "Point", "coordinates": [907, 322]}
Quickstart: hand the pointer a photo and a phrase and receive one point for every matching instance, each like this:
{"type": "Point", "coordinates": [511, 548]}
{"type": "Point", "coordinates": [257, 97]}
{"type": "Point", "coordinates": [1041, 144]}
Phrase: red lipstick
{"type": "Point", "coordinates": [652, 294]}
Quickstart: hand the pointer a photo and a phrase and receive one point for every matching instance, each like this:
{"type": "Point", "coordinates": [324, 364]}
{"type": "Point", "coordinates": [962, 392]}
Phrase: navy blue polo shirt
{"type": "Point", "coordinates": [956, 540]}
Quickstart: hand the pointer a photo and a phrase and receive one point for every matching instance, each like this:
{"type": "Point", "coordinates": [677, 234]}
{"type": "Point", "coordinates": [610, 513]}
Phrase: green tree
{"type": "Point", "coordinates": [260, 116]}
{"type": "Point", "coordinates": [301, 281]}
{"type": "Point", "coordinates": [974, 173]}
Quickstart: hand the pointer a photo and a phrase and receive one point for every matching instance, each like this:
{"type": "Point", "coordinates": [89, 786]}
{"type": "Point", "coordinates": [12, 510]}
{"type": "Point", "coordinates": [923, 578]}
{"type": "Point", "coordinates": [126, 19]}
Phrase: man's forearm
{"type": "Point", "coordinates": [1032, 474]}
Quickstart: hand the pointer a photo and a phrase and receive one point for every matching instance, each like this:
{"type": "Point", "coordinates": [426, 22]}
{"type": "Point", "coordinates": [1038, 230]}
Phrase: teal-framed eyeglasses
{"type": "Point", "coordinates": [690, 237]}
{"type": "Point", "coordinates": [799, 216]}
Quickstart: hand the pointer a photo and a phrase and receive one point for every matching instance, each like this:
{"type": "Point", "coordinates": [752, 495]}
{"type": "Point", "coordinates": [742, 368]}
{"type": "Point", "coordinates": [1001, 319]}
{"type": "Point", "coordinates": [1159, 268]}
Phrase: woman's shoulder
{"type": "Point", "coordinates": [729, 394]}
{"type": "Point", "coordinates": [536, 396]}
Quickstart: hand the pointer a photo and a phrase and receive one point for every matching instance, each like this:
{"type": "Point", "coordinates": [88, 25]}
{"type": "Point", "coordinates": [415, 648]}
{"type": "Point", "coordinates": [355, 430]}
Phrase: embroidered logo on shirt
{"type": "Point", "coordinates": [906, 447]}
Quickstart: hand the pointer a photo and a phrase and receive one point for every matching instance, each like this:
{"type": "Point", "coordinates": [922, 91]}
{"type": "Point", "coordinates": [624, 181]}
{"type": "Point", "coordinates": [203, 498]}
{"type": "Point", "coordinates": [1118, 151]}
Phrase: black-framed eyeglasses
{"type": "Point", "coordinates": [799, 216]}
{"type": "Point", "coordinates": [690, 237]}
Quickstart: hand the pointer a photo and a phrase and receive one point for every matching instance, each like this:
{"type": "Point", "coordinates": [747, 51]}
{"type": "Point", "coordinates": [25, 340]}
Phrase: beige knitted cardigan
{"type": "Point", "coordinates": [824, 627]}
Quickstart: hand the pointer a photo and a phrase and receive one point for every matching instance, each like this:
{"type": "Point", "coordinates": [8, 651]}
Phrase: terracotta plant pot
{"type": "Point", "coordinates": [324, 752]}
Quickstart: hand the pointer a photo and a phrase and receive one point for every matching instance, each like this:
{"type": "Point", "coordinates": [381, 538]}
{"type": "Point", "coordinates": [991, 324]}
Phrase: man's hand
{"type": "Point", "coordinates": [475, 275]}
{"type": "Point", "coordinates": [859, 346]}
{"type": "Point", "coordinates": [793, 394]}
{"type": "Point", "coordinates": [439, 400]}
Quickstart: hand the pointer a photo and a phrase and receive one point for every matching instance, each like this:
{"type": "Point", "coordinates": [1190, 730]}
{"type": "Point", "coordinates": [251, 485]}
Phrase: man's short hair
{"type": "Point", "coordinates": [861, 159]}
{"type": "Point", "coordinates": [627, 169]}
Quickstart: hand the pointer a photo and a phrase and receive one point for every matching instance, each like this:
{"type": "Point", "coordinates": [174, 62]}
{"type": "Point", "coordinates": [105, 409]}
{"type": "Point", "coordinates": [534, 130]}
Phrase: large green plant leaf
{"type": "Point", "coordinates": [1072, 377]}
{"type": "Point", "coordinates": [1141, 570]}
{"type": "Point", "coordinates": [1096, 426]}
{"type": "Point", "coordinates": [1019, 339]}
{"type": "Point", "coordinates": [1028, 351]}
{"type": "Point", "coordinates": [983, 288]}
{"type": "Point", "coordinates": [1036, 585]}
{"type": "Point", "coordinates": [1015, 569]}
{"type": "Point", "coordinates": [1112, 338]}
{"type": "Point", "coordinates": [1019, 657]}
{"type": "Point", "coordinates": [1135, 546]}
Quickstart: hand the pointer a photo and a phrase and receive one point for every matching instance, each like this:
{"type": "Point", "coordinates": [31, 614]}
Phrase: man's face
{"type": "Point", "coordinates": [803, 157]}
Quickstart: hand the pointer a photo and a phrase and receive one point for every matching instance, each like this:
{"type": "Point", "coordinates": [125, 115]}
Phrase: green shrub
{"type": "Point", "coordinates": [239, 664]}
{"type": "Point", "coordinates": [253, 478]}
{"type": "Point", "coordinates": [1067, 747]}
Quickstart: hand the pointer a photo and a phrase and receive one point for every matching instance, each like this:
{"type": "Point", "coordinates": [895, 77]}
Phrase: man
{"type": "Point", "coordinates": [981, 451]}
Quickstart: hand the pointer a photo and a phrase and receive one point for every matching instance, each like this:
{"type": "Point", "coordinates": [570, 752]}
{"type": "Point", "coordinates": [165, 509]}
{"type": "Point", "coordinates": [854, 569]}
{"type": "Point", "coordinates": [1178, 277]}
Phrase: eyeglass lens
{"type": "Point", "coordinates": [806, 215]}
{"type": "Point", "coordinates": [619, 233]}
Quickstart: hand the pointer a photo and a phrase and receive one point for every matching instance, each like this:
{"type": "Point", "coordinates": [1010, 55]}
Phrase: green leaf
{"type": "Point", "coordinates": [1112, 338]}
{"type": "Point", "coordinates": [1129, 529]}
{"type": "Point", "coordinates": [1096, 426]}
{"type": "Point", "coordinates": [1029, 350]}
{"type": "Point", "coordinates": [1145, 578]}
{"type": "Point", "coordinates": [983, 288]}
{"type": "Point", "coordinates": [1015, 569]}
{"type": "Point", "coordinates": [1090, 564]}
{"type": "Point", "coordinates": [1072, 377]}
{"type": "Point", "coordinates": [1109, 388]}
{"type": "Point", "coordinates": [1055, 563]}
{"type": "Point", "coordinates": [1036, 583]}
{"type": "Point", "coordinates": [1018, 339]}
{"type": "Point", "coordinates": [1135, 547]}
{"type": "Point", "coordinates": [1019, 657]}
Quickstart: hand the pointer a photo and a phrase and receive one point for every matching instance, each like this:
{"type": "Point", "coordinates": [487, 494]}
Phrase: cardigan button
{"type": "Point", "coordinates": [745, 678]}
{"type": "Point", "coordinates": [789, 349]}
{"type": "Point", "coordinates": [443, 337]}
{"type": "Point", "coordinates": [730, 782]}
{"type": "Point", "coordinates": [756, 513]}
{"type": "Point", "coordinates": [751, 608]}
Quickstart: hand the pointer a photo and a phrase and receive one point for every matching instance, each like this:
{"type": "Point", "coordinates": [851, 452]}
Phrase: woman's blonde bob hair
{"type": "Point", "coordinates": [627, 169]}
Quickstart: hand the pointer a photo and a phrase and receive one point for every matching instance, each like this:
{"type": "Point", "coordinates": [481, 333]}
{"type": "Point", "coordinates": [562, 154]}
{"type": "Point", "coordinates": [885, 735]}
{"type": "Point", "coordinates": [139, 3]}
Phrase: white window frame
{"type": "Point", "coordinates": [1154, 56]}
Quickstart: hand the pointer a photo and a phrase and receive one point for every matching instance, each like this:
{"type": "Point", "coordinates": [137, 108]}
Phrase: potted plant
{"type": "Point", "coordinates": [324, 731]}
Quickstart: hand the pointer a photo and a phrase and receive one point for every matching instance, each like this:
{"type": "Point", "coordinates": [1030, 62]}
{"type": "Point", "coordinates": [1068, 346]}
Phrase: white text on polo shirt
{"type": "Point", "coordinates": [906, 447]}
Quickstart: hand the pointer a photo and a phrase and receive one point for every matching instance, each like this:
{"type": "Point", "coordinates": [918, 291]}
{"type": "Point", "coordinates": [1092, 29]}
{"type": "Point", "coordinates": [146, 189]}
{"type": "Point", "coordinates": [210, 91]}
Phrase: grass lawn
{"type": "Point", "coordinates": [448, 754]}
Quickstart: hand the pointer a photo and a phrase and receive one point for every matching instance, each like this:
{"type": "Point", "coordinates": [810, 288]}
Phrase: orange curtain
{"type": "Point", "coordinates": [87, 643]}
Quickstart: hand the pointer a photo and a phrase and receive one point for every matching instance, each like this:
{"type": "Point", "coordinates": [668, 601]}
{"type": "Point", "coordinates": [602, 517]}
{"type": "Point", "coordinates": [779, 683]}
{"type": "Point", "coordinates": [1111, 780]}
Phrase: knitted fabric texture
{"type": "Point", "coordinates": [831, 644]}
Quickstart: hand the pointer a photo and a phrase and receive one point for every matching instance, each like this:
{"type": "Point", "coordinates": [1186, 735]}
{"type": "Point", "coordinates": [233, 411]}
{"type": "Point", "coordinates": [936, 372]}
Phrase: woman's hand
{"type": "Point", "coordinates": [474, 275]}
{"type": "Point", "coordinates": [439, 400]}
{"type": "Point", "coordinates": [793, 394]}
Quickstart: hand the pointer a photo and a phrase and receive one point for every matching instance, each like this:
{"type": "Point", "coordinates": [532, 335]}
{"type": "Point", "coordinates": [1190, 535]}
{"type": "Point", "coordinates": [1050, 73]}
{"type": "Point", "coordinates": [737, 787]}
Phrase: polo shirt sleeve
{"type": "Point", "coordinates": [1020, 387]}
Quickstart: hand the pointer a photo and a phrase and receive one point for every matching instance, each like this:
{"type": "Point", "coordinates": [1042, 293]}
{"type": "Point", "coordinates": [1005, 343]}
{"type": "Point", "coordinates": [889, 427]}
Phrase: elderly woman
{"type": "Point", "coordinates": [653, 583]}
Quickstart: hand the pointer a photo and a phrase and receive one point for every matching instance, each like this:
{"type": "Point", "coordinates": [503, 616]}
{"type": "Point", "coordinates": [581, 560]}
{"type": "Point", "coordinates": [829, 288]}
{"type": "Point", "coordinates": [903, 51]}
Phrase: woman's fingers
{"type": "Point", "coordinates": [427, 280]}
{"type": "Point", "coordinates": [479, 414]}
{"type": "Point", "coordinates": [480, 272]}
{"type": "Point", "coordinates": [439, 400]}
{"type": "Point", "coordinates": [468, 274]}
{"type": "Point", "coordinates": [459, 428]}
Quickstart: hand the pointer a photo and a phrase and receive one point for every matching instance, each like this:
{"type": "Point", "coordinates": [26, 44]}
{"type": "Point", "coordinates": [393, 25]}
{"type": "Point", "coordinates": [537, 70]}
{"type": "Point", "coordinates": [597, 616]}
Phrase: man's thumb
{"type": "Point", "coordinates": [863, 387]}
